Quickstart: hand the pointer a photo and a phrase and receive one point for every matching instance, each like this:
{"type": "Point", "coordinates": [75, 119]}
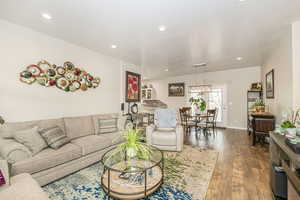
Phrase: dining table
{"type": "Point", "coordinates": [198, 118]}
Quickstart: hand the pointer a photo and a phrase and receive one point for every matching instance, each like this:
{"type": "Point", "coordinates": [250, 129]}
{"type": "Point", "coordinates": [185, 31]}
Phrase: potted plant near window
{"type": "Point", "coordinates": [200, 103]}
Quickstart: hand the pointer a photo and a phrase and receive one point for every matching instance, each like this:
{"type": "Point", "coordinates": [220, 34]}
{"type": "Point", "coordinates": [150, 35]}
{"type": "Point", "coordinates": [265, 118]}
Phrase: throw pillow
{"type": "Point", "coordinates": [2, 179]}
{"type": "Point", "coordinates": [31, 139]}
{"type": "Point", "coordinates": [54, 136]}
{"type": "Point", "coordinates": [4, 174]}
{"type": "Point", "coordinates": [107, 125]}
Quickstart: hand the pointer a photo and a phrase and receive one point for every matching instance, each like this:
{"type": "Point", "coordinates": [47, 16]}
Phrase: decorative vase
{"type": "Point", "coordinates": [292, 132]}
{"type": "Point", "coordinates": [130, 152]}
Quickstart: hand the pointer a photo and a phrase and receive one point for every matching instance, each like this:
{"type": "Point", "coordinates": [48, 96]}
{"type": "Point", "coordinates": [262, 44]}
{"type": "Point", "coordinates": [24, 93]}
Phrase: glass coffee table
{"type": "Point", "coordinates": [134, 178]}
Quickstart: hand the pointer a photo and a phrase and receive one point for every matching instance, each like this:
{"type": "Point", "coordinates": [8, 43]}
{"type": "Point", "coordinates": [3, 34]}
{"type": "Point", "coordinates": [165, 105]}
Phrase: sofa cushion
{"type": "Point", "coordinates": [46, 159]}
{"type": "Point", "coordinates": [91, 143]}
{"type": "Point", "coordinates": [114, 138]}
{"type": "Point", "coordinates": [55, 137]}
{"type": "Point", "coordinates": [31, 139]}
{"type": "Point", "coordinates": [79, 126]}
{"type": "Point", "coordinates": [164, 138]}
{"type": "Point", "coordinates": [7, 130]}
{"type": "Point", "coordinates": [23, 187]}
{"type": "Point", "coordinates": [13, 151]}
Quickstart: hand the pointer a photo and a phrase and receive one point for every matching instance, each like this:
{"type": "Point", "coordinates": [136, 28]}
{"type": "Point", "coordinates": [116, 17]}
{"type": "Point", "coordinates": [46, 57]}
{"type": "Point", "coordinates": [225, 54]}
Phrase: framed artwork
{"type": "Point", "coordinates": [133, 87]}
{"type": "Point", "coordinates": [176, 89]}
{"type": "Point", "coordinates": [270, 85]}
{"type": "Point", "coordinates": [256, 86]}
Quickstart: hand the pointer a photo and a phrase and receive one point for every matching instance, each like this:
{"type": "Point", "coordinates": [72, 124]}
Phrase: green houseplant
{"type": "Point", "coordinates": [133, 147]}
{"type": "Point", "coordinates": [199, 102]}
{"type": "Point", "coordinates": [259, 105]}
{"type": "Point", "coordinates": [291, 121]}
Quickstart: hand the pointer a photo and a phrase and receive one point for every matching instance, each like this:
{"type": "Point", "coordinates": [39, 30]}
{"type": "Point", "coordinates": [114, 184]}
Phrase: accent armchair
{"type": "Point", "coordinates": [19, 187]}
{"type": "Point", "coordinates": [165, 133]}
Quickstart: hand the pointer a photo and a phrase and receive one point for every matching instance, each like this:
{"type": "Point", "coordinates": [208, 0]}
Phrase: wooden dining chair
{"type": "Point", "coordinates": [210, 121]}
{"type": "Point", "coordinates": [186, 121]}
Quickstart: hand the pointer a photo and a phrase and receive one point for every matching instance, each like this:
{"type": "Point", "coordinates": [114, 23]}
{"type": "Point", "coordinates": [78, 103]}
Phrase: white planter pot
{"type": "Point", "coordinates": [292, 131]}
{"type": "Point", "coordinates": [131, 153]}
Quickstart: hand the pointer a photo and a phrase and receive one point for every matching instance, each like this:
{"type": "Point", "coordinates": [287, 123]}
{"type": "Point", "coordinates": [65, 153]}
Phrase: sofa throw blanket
{"type": "Point", "coordinates": [2, 179]}
{"type": "Point", "coordinates": [165, 118]}
{"type": "Point", "coordinates": [107, 125]}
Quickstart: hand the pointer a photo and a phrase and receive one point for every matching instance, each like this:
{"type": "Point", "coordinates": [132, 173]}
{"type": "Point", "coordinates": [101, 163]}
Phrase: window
{"type": "Point", "coordinates": [212, 95]}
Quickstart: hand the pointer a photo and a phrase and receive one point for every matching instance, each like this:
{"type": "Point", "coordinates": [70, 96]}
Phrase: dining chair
{"type": "Point", "coordinates": [210, 121]}
{"type": "Point", "coordinates": [186, 121]}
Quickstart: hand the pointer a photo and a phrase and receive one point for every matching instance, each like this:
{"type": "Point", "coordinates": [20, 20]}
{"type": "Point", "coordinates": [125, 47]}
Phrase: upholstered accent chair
{"type": "Point", "coordinates": [165, 133]}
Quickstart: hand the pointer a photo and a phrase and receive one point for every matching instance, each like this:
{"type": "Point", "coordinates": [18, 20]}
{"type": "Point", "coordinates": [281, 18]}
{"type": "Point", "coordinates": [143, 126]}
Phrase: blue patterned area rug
{"type": "Point", "coordinates": [187, 176]}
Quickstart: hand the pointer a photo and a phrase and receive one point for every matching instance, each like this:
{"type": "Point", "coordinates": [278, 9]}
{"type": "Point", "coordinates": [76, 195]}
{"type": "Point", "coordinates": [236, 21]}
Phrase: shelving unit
{"type": "Point", "coordinates": [252, 96]}
{"type": "Point", "coordinates": [147, 93]}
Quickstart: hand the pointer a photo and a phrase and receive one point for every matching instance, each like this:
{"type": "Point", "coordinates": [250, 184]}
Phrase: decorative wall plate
{"type": "Point", "coordinates": [66, 77]}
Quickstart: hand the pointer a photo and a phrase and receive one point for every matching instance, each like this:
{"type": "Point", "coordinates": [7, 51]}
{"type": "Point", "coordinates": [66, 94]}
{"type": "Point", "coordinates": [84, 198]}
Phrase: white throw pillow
{"type": "Point", "coordinates": [31, 139]}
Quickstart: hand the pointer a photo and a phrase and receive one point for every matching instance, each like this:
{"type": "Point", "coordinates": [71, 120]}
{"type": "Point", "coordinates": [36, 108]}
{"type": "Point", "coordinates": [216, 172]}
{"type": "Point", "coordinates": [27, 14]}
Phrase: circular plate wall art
{"type": "Point", "coordinates": [66, 77]}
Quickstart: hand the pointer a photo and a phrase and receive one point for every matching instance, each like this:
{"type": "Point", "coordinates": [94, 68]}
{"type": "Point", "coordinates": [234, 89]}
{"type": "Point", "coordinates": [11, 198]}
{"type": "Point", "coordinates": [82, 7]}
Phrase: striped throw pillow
{"type": "Point", "coordinates": [108, 125]}
{"type": "Point", "coordinates": [54, 136]}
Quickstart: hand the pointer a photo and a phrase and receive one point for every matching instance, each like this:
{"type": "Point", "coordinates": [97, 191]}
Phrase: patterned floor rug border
{"type": "Point", "coordinates": [187, 176]}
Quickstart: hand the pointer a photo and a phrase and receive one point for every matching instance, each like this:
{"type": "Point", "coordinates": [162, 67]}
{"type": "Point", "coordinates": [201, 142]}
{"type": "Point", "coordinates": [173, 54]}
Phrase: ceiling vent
{"type": "Point", "coordinates": [200, 65]}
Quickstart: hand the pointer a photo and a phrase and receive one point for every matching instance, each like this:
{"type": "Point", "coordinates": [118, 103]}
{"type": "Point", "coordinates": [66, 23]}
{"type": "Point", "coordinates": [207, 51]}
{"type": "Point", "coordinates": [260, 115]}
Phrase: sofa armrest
{"type": "Point", "coordinates": [180, 138]}
{"type": "Point", "coordinates": [149, 130]}
{"type": "Point", "coordinates": [13, 151]}
{"type": "Point", "coordinates": [4, 167]}
{"type": "Point", "coordinates": [23, 187]}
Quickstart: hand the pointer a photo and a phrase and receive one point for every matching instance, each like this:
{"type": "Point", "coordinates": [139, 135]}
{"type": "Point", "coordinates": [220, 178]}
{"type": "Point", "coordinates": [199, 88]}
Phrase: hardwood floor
{"type": "Point", "coordinates": [242, 171]}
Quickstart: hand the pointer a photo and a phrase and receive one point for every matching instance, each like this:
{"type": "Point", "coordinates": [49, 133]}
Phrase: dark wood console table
{"type": "Point", "coordinates": [282, 155]}
{"type": "Point", "coordinates": [261, 124]}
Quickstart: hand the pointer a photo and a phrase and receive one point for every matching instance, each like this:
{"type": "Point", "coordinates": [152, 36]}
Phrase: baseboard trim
{"type": "Point", "coordinates": [238, 128]}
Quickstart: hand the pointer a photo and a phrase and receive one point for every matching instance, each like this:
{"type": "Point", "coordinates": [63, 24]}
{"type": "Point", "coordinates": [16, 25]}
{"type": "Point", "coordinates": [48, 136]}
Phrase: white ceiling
{"type": "Point", "coordinates": [212, 31]}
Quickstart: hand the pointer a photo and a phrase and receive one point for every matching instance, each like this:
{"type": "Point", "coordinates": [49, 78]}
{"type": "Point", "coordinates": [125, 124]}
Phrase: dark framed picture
{"type": "Point", "coordinates": [270, 85]}
{"type": "Point", "coordinates": [133, 87]}
{"type": "Point", "coordinates": [176, 89]}
{"type": "Point", "coordinates": [256, 86]}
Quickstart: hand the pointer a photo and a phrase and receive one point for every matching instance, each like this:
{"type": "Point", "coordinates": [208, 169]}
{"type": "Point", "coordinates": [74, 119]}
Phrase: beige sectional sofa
{"type": "Point", "coordinates": [85, 148]}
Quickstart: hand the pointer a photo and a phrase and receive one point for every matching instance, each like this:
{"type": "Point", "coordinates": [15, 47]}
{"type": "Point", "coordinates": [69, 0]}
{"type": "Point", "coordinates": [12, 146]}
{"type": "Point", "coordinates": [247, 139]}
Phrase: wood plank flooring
{"type": "Point", "coordinates": [242, 171]}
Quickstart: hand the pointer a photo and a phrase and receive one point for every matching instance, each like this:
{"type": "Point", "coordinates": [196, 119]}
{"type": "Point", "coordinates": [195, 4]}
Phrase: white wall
{"type": "Point", "coordinates": [279, 58]}
{"type": "Point", "coordinates": [20, 46]}
{"type": "Point", "coordinates": [296, 64]}
{"type": "Point", "coordinates": [238, 81]}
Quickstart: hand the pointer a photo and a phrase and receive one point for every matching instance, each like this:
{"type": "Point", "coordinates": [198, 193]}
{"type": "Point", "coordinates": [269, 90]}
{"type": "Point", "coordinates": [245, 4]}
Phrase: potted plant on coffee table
{"type": "Point", "coordinates": [133, 148]}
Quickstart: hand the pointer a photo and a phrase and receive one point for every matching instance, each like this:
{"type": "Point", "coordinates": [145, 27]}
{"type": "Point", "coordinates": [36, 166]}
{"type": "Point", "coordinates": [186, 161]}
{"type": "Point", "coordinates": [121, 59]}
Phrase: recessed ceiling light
{"type": "Point", "coordinates": [239, 58]}
{"type": "Point", "coordinates": [242, 0]}
{"type": "Point", "coordinates": [46, 16]}
{"type": "Point", "coordinates": [113, 46]}
{"type": "Point", "coordinates": [162, 28]}
{"type": "Point", "coordinates": [166, 70]}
